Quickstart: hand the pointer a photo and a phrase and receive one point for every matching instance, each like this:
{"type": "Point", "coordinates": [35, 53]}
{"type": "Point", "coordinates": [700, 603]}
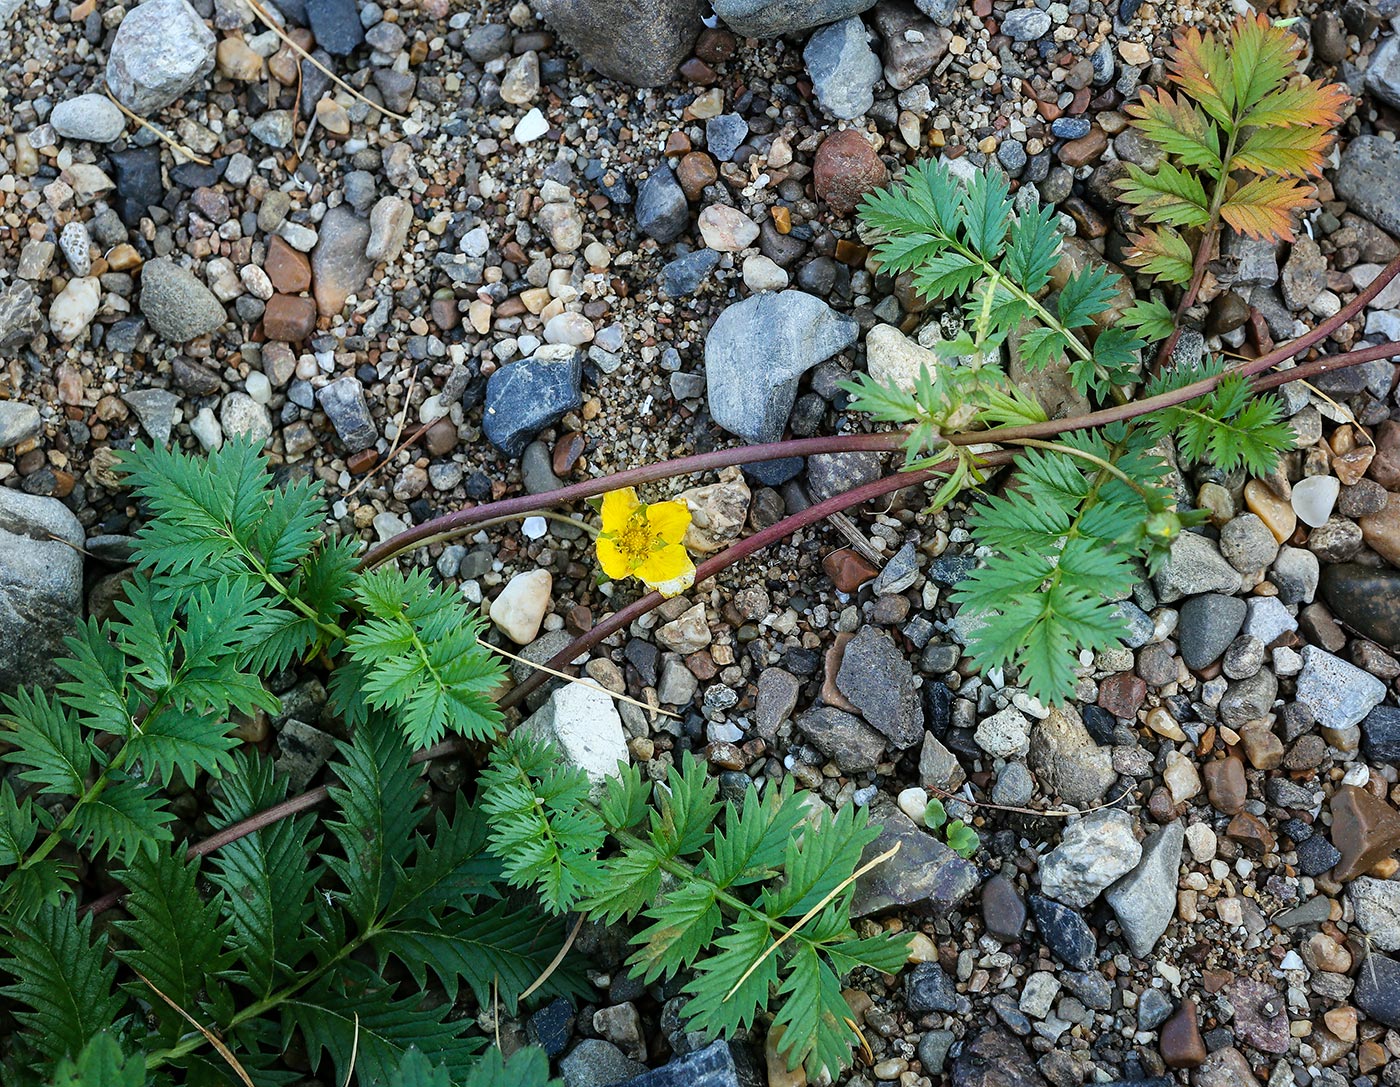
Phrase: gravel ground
{"type": "Point", "coordinates": [512, 284]}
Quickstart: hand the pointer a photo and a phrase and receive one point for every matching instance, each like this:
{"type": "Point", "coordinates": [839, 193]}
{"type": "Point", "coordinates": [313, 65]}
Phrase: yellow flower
{"type": "Point", "coordinates": [644, 541]}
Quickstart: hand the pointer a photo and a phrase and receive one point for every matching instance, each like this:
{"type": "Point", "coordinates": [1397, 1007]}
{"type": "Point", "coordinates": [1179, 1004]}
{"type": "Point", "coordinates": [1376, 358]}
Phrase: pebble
{"type": "Point", "coordinates": [1144, 901]}
{"type": "Point", "coordinates": [1006, 734]}
{"type": "Point", "coordinates": [1064, 932]}
{"type": "Point", "coordinates": [74, 307]}
{"type": "Point", "coordinates": [91, 117]}
{"type": "Point", "coordinates": [726, 230]}
{"type": "Point", "coordinates": [1314, 498]}
{"type": "Point", "coordinates": [336, 25]}
{"type": "Point", "coordinates": [530, 127]}
{"type": "Point", "coordinates": [161, 49]}
{"type": "Point", "coordinates": [879, 681]}
{"type": "Point", "coordinates": [339, 265]}
{"type": "Point", "coordinates": [344, 403]}
{"type": "Point", "coordinates": [846, 167]}
{"type": "Point", "coordinates": [524, 397]}
{"type": "Point", "coordinates": [843, 68]}
{"type": "Point", "coordinates": [1364, 830]}
{"type": "Point", "coordinates": [518, 611]}
{"type": "Point", "coordinates": [661, 209]}
{"type": "Point", "coordinates": [1180, 1039]}
{"type": "Point", "coordinates": [175, 304]}
{"type": "Point", "coordinates": [641, 43]}
{"type": "Point", "coordinates": [1339, 694]}
{"type": "Point", "coordinates": [1092, 853]}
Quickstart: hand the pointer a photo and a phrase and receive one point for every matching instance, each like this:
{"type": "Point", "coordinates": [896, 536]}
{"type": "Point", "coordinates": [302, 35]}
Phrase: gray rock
{"type": "Point", "coordinates": [524, 397]}
{"type": "Point", "coordinates": [1378, 989]}
{"type": "Point", "coordinates": [682, 277]}
{"type": "Point", "coordinates": [1249, 699]}
{"type": "Point", "coordinates": [18, 422]}
{"type": "Point", "coordinates": [924, 873]}
{"type": "Point", "coordinates": [177, 305]}
{"type": "Point", "coordinates": [1383, 73]}
{"type": "Point", "coordinates": [343, 401]}
{"type": "Point", "coordinates": [942, 12]}
{"type": "Point", "coordinates": [91, 117]}
{"type": "Point", "coordinates": [157, 409]}
{"type": "Point", "coordinates": [843, 67]}
{"type": "Point", "coordinates": [792, 332]}
{"type": "Point", "coordinates": [879, 681]}
{"type": "Point", "coordinates": [1005, 734]}
{"type": "Point", "coordinates": [928, 988]}
{"type": "Point", "coordinates": [241, 416]}
{"type": "Point", "coordinates": [1014, 785]}
{"type": "Point", "coordinates": [1377, 906]}
{"type": "Point", "coordinates": [1207, 625]}
{"type": "Point", "coordinates": [1295, 573]}
{"type": "Point", "coordinates": [339, 266]}
{"type": "Point", "coordinates": [1365, 179]}
{"type": "Point", "coordinates": [641, 42]}
{"type": "Point", "coordinates": [1339, 694]}
{"type": "Point", "coordinates": [596, 1063]}
{"type": "Point", "coordinates": [1093, 852]}
{"type": "Point", "coordinates": [336, 25]}
{"type": "Point", "coordinates": [1268, 619]}
{"type": "Point", "coordinates": [19, 314]}
{"type": "Point", "coordinates": [1025, 24]}
{"type": "Point", "coordinates": [938, 767]}
{"type": "Point", "coordinates": [910, 44]}
{"type": "Point", "coordinates": [724, 134]}
{"type": "Point", "coordinates": [900, 572]}
{"type": "Point", "coordinates": [844, 738]}
{"type": "Point", "coordinates": [662, 211]}
{"type": "Point", "coordinates": [1067, 760]}
{"type": "Point", "coordinates": [769, 18]}
{"type": "Point", "coordinates": [301, 753]}
{"type": "Point", "coordinates": [1144, 901]}
{"type": "Point", "coordinates": [161, 49]}
{"type": "Point", "coordinates": [1194, 566]}
{"type": "Point", "coordinates": [275, 128]}
{"type": "Point", "coordinates": [41, 586]}
{"type": "Point", "coordinates": [1247, 544]}
{"type": "Point", "coordinates": [712, 1066]}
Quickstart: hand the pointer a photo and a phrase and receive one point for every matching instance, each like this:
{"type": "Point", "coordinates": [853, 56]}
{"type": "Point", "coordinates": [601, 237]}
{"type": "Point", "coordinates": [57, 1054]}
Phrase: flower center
{"type": "Point", "coordinates": [635, 541]}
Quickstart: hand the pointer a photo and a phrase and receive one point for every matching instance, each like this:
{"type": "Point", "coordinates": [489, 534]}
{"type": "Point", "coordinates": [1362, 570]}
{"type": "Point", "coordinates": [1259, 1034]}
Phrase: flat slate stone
{"type": "Point", "coordinates": [924, 872]}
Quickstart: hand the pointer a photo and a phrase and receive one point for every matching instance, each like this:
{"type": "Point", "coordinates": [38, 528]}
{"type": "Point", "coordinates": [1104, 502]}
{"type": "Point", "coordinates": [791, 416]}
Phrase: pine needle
{"type": "Point", "coordinates": [586, 683]}
{"type": "Point", "coordinates": [171, 140]}
{"type": "Point", "coordinates": [826, 899]}
{"type": "Point", "coordinates": [262, 14]}
{"type": "Point", "coordinates": [209, 1036]}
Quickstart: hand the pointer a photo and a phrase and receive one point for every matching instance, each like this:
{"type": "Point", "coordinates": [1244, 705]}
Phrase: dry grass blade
{"type": "Point", "coordinates": [1056, 813]}
{"type": "Point", "coordinates": [554, 962]}
{"type": "Point", "coordinates": [865, 1049]}
{"type": "Point", "coordinates": [585, 683]}
{"type": "Point", "coordinates": [209, 1036]}
{"type": "Point", "coordinates": [262, 14]}
{"type": "Point", "coordinates": [171, 140]}
{"type": "Point", "coordinates": [354, 1051]}
{"type": "Point", "coordinates": [826, 899]}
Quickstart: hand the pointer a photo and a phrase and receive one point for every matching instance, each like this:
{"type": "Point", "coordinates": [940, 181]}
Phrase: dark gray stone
{"type": "Point", "coordinates": [41, 586]}
{"type": "Point", "coordinates": [1366, 599]}
{"type": "Point", "coordinates": [879, 681]}
{"type": "Point", "coordinates": [524, 397]}
{"type": "Point", "coordinates": [662, 211]}
{"type": "Point", "coordinates": [769, 18]}
{"type": "Point", "coordinates": [792, 332]}
{"type": "Point", "coordinates": [1025, 24]}
{"type": "Point", "coordinates": [343, 401]}
{"type": "Point", "coordinates": [995, 1058]}
{"type": "Point", "coordinates": [336, 25]}
{"type": "Point", "coordinates": [596, 1063]}
{"type": "Point", "coordinates": [924, 873]}
{"type": "Point", "coordinates": [927, 988]}
{"type": "Point", "coordinates": [724, 134]}
{"type": "Point", "coordinates": [641, 42]}
{"type": "Point", "coordinates": [852, 744]}
{"type": "Point", "coordinates": [1366, 180]}
{"type": "Point", "coordinates": [682, 277]}
{"type": "Point", "coordinates": [1064, 932]}
{"type": "Point", "coordinates": [136, 175]}
{"type": "Point", "coordinates": [1207, 626]}
{"type": "Point", "coordinates": [1378, 989]}
{"type": "Point", "coordinates": [1380, 734]}
{"type": "Point", "coordinates": [712, 1066]}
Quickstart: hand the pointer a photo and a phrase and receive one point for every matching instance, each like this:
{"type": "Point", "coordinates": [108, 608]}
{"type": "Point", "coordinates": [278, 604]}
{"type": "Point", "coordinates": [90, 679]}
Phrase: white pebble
{"type": "Point", "coordinates": [1314, 497]}
{"type": "Point", "coordinates": [534, 527]}
{"type": "Point", "coordinates": [258, 387]}
{"type": "Point", "coordinates": [530, 127]}
{"type": "Point", "coordinates": [913, 802]}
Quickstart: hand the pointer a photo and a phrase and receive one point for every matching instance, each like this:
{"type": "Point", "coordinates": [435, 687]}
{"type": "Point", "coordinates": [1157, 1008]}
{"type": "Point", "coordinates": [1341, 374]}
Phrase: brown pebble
{"type": "Point", "coordinates": [289, 270]}
{"type": "Point", "coordinates": [715, 46]}
{"type": "Point", "coordinates": [845, 168]}
{"type": "Point", "coordinates": [677, 143]}
{"type": "Point", "coordinates": [440, 438]}
{"type": "Point", "coordinates": [1180, 1038]}
{"type": "Point", "coordinates": [695, 172]}
{"type": "Point", "coordinates": [1225, 785]}
{"type": "Point", "coordinates": [1365, 830]}
{"type": "Point", "coordinates": [445, 313]}
{"type": "Point", "coordinates": [567, 451]}
{"type": "Point", "coordinates": [847, 570]}
{"type": "Point", "coordinates": [1086, 149]}
{"type": "Point", "coordinates": [361, 462]}
{"type": "Point", "coordinates": [289, 318]}
{"type": "Point", "coordinates": [1249, 830]}
{"type": "Point", "coordinates": [1122, 694]}
{"type": "Point", "coordinates": [699, 73]}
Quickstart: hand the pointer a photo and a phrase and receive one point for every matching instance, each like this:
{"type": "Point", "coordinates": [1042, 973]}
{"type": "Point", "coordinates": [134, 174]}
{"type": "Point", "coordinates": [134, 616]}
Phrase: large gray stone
{"type": "Point", "coordinates": [1194, 566]}
{"type": "Point", "coordinates": [1339, 694]}
{"type": "Point", "coordinates": [339, 266]}
{"type": "Point", "coordinates": [712, 1066]}
{"type": "Point", "coordinates": [161, 49]}
{"type": "Point", "coordinates": [1383, 73]}
{"type": "Point", "coordinates": [641, 42]}
{"type": "Point", "coordinates": [756, 352]}
{"type": "Point", "coordinates": [879, 681]}
{"type": "Point", "coordinates": [177, 305]}
{"type": "Point", "coordinates": [1377, 906]}
{"type": "Point", "coordinates": [524, 397]}
{"type": "Point", "coordinates": [1093, 852]}
{"type": "Point", "coordinates": [1144, 901]}
{"type": "Point", "coordinates": [843, 67]}
{"type": "Point", "coordinates": [1067, 760]}
{"type": "Point", "coordinates": [769, 18]}
{"type": "Point", "coordinates": [1366, 180]}
{"type": "Point", "coordinates": [924, 873]}
{"type": "Point", "coordinates": [41, 586]}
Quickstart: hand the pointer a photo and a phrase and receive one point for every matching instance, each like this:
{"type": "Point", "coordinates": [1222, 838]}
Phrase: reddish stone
{"type": "Point", "coordinates": [361, 462]}
{"type": "Point", "coordinates": [845, 169]}
{"type": "Point", "coordinates": [288, 318]}
{"type": "Point", "coordinates": [698, 72]}
{"type": "Point", "coordinates": [445, 313]}
{"type": "Point", "coordinates": [716, 46]}
{"type": "Point", "coordinates": [1180, 1038]}
{"type": "Point", "coordinates": [289, 270]}
{"type": "Point", "coordinates": [1122, 694]}
{"type": "Point", "coordinates": [1365, 830]}
{"type": "Point", "coordinates": [1249, 830]}
{"type": "Point", "coordinates": [1225, 785]}
{"type": "Point", "coordinates": [696, 171]}
{"type": "Point", "coordinates": [567, 451]}
{"type": "Point", "coordinates": [1086, 149]}
{"type": "Point", "coordinates": [677, 143]}
{"type": "Point", "coordinates": [440, 438]}
{"type": "Point", "coordinates": [847, 570]}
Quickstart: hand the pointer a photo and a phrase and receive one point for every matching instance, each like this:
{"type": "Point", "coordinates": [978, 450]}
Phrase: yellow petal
{"type": "Point", "coordinates": [611, 559]}
{"type": "Point", "coordinates": [668, 570]}
{"type": "Point", "coordinates": [669, 520]}
{"type": "Point", "coordinates": [618, 507]}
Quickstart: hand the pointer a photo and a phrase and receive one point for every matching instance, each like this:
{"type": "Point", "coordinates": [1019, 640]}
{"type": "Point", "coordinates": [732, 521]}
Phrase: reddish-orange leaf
{"type": "Point", "coordinates": [1198, 65]}
{"type": "Point", "coordinates": [1261, 56]}
{"type": "Point", "coordinates": [1263, 207]}
{"type": "Point", "coordinates": [1292, 152]}
{"type": "Point", "coordinates": [1308, 102]}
